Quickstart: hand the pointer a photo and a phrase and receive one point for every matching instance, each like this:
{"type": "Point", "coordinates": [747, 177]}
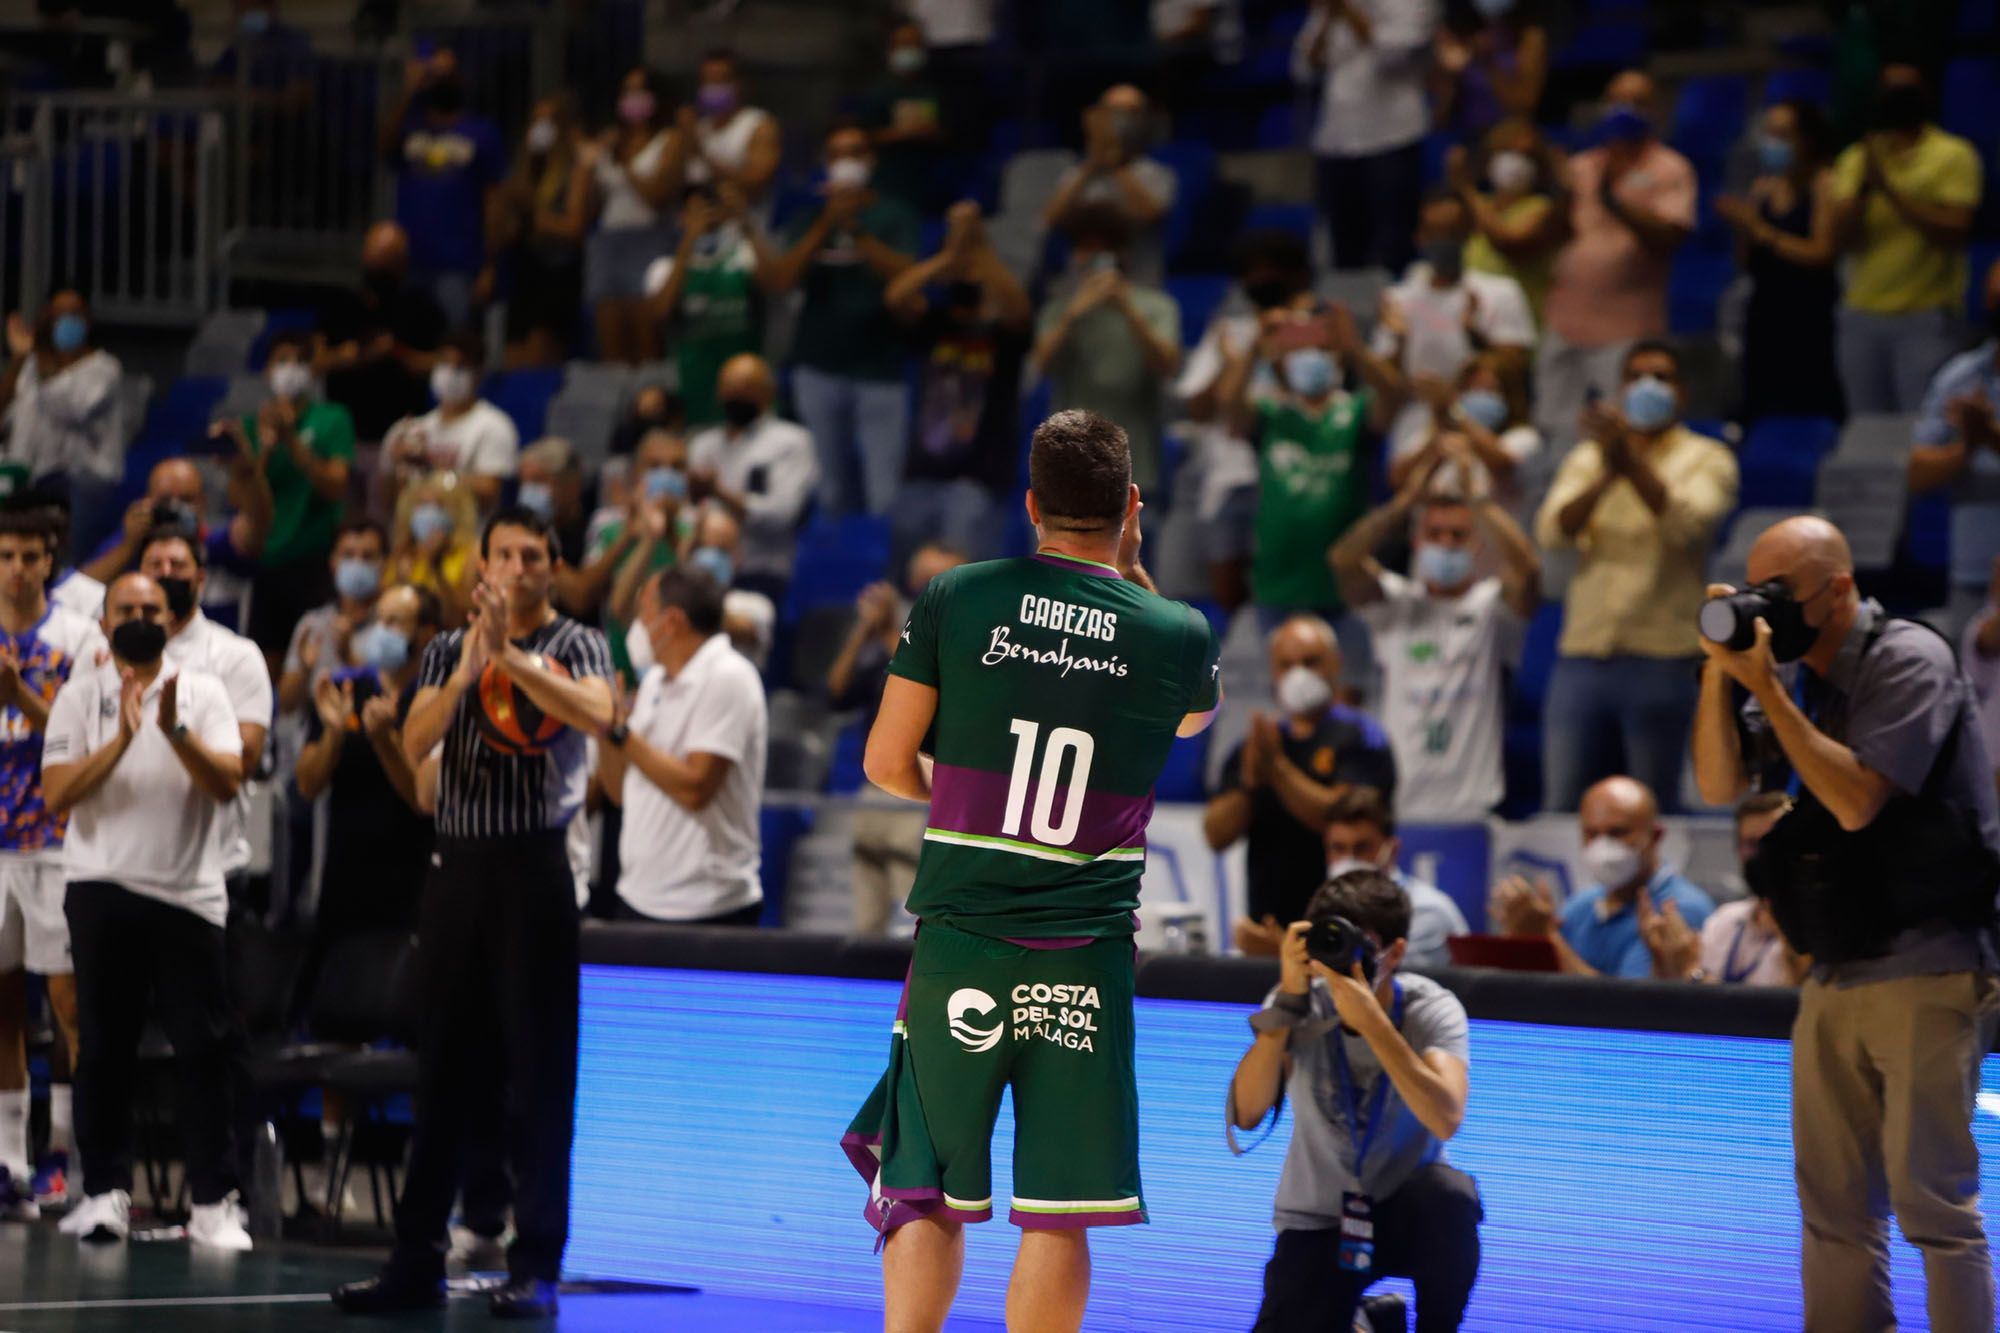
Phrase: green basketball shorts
{"type": "Point", "coordinates": [981, 1015]}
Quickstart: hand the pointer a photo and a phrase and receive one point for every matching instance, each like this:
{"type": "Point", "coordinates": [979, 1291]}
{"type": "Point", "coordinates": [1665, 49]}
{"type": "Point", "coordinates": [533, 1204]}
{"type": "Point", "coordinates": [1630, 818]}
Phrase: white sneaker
{"type": "Point", "coordinates": [476, 1253]}
{"type": "Point", "coordinates": [106, 1216]}
{"type": "Point", "coordinates": [218, 1226]}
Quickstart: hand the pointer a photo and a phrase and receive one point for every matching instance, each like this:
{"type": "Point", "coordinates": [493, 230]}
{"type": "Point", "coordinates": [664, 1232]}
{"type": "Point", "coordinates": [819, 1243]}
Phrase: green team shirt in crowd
{"type": "Point", "coordinates": [303, 522]}
{"type": "Point", "coordinates": [1060, 687]}
{"type": "Point", "coordinates": [719, 318]}
{"type": "Point", "coordinates": [1309, 493]}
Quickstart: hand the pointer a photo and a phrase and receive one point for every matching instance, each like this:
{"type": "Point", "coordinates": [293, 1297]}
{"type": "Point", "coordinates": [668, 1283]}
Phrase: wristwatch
{"type": "Point", "coordinates": [616, 734]}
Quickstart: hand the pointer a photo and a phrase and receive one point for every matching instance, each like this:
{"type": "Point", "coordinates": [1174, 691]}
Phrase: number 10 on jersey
{"type": "Point", "coordinates": [1062, 740]}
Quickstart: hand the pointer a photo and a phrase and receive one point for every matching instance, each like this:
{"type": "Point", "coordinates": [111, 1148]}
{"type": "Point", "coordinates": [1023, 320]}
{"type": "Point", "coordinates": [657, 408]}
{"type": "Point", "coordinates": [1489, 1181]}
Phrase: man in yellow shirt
{"type": "Point", "coordinates": [1638, 501]}
{"type": "Point", "coordinates": [1906, 195]}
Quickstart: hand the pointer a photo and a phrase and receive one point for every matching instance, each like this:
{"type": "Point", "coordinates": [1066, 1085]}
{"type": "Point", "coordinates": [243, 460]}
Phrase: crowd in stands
{"type": "Point", "coordinates": [1435, 428]}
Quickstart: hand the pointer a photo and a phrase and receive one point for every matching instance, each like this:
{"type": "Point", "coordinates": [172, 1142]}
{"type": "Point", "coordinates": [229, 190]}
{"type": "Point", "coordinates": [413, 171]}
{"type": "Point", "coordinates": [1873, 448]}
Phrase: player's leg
{"type": "Point", "coordinates": [1051, 1282]}
{"type": "Point", "coordinates": [922, 1263]}
{"type": "Point", "coordinates": [13, 1042]}
{"type": "Point", "coordinates": [48, 954]}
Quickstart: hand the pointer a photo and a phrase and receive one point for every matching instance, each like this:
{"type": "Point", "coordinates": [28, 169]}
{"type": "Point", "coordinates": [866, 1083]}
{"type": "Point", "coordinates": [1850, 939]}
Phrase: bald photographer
{"type": "Point", "coordinates": [1883, 872]}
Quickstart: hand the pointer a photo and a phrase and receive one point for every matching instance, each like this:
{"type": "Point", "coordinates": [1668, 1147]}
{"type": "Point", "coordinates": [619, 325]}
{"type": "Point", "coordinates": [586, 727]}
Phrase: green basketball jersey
{"type": "Point", "coordinates": [1060, 686]}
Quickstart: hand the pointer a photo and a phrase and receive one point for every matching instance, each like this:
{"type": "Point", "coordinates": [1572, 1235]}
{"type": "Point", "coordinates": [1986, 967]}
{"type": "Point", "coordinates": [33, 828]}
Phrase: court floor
{"type": "Point", "coordinates": [51, 1284]}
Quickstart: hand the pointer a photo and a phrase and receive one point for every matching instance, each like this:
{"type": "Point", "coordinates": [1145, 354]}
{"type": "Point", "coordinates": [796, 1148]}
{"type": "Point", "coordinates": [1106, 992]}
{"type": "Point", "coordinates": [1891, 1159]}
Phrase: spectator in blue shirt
{"type": "Point", "coordinates": [448, 162]}
{"type": "Point", "coordinates": [1601, 931]}
{"type": "Point", "coordinates": [1958, 426]}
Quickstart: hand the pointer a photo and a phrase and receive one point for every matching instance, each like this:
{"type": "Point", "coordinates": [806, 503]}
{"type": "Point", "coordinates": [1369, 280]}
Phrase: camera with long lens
{"type": "Point", "coordinates": [1340, 944]}
{"type": "Point", "coordinates": [176, 516]}
{"type": "Point", "coordinates": [1731, 620]}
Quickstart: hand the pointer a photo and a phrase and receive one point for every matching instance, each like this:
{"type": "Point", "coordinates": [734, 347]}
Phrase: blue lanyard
{"type": "Point", "coordinates": [1793, 784]}
{"type": "Point", "coordinates": [1360, 1132]}
{"type": "Point", "coordinates": [1729, 971]}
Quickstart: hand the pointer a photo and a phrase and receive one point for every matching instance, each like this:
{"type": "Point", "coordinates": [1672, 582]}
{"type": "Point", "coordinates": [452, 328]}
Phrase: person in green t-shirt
{"type": "Point", "coordinates": [848, 356]}
{"type": "Point", "coordinates": [708, 288]}
{"type": "Point", "coordinates": [904, 117]}
{"type": "Point", "coordinates": [307, 445]}
{"type": "Point", "coordinates": [1312, 469]}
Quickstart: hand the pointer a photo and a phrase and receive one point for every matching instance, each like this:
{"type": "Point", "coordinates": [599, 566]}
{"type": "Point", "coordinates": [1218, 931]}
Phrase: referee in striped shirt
{"type": "Point", "coordinates": [498, 934]}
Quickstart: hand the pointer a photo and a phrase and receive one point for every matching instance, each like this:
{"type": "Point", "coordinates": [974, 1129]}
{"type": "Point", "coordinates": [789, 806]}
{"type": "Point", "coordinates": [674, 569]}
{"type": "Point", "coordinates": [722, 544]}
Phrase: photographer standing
{"type": "Point", "coordinates": [1884, 873]}
{"type": "Point", "coordinates": [1376, 1069]}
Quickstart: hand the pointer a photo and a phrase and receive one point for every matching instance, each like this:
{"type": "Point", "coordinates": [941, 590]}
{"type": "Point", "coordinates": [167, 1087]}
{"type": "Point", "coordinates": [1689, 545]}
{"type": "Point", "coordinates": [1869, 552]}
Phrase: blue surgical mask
{"type": "Point", "coordinates": [1309, 372]}
{"type": "Point", "coordinates": [1484, 406]}
{"type": "Point", "coordinates": [1774, 155]}
{"type": "Point", "coordinates": [357, 580]}
{"type": "Point", "coordinates": [716, 561]}
{"type": "Point", "coordinates": [1650, 404]}
{"type": "Point", "coordinates": [429, 521]}
{"type": "Point", "coordinates": [1442, 566]}
{"type": "Point", "coordinates": [666, 483]}
{"type": "Point", "coordinates": [1624, 123]}
{"type": "Point", "coordinates": [384, 648]}
{"type": "Point", "coordinates": [69, 332]}
{"type": "Point", "coordinates": [536, 497]}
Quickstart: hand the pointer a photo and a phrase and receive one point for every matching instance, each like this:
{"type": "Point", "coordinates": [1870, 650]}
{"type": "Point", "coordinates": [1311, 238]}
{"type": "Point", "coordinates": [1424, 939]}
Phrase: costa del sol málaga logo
{"type": "Point", "coordinates": [963, 1002]}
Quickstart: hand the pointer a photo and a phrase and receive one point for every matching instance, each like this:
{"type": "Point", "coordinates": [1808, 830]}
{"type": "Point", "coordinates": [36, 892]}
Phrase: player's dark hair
{"type": "Point", "coordinates": [1370, 899]}
{"type": "Point", "coordinates": [471, 348]}
{"type": "Point", "coordinates": [1080, 469]}
{"type": "Point", "coordinates": [697, 594]}
{"type": "Point", "coordinates": [1650, 347]}
{"type": "Point", "coordinates": [518, 516]}
{"type": "Point", "coordinates": [299, 340]}
{"type": "Point", "coordinates": [1275, 248]}
{"type": "Point", "coordinates": [22, 521]}
{"type": "Point", "coordinates": [168, 533]}
{"type": "Point", "coordinates": [350, 527]}
{"type": "Point", "coordinates": [1100, 225]}
{"type": "Point", "coordinates": [1363, 805]}
{"type": "Point", "coordinates": [430, 608]}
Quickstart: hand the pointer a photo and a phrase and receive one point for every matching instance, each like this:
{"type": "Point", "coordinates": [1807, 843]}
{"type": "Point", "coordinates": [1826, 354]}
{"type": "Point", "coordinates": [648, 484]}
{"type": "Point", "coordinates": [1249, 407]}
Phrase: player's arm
{"type": "Point", "coordinates": [894, 760]}
{"type": "Point", "coordinates": [1196, 723]}
{"type": "Point", "coordinates": [582, 702]}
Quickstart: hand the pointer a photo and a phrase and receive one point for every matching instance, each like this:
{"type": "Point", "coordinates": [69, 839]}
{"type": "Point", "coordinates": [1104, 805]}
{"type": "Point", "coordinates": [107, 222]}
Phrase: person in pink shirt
{"type": "Point", "coordinates": [1632, 204]}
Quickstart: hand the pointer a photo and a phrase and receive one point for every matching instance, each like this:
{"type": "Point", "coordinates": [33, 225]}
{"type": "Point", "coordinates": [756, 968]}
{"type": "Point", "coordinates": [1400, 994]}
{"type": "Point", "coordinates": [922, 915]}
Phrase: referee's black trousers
{"type": "Point", "coordinates": [497, 954]}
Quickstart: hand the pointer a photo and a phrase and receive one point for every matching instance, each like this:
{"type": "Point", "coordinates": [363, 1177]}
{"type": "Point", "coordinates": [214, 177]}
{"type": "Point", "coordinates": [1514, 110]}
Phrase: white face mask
{"type": "Point", "coordinates": [1612, 863]}
{"type": "Point", "coordinates": [290, 379]}
{"type": "Point", "coordinates": [1347, 865]}
{"type": "Point", "coordinates": [451, 384]}
{"type": "Point", "coordinates": [542, 136]}
{"type": "Point", "coordinates": [639, 648]}
{"type": "Point", "coordinates": [1303, 690]}
{"type": "Point", "coordinates": [847, 173]}
{"type": "Point", "coordinates": [1510, 171]}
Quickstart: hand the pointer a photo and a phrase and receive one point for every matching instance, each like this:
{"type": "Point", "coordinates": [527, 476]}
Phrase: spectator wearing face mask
{"type": "Point", "coordinates": [1786, 240]}
{"type": "Point", "coordinates": [904, 113]}
{"type": "Point", "coordinates": [848, 354]}
{"type": "Point", "coordinates": [1441, 314]}
{"type": "Point", "coordinates": [1631, 205]}
{"type": "Point", "coordinates": [307, 447]}
{"type": "Point", "coordinates": [1491, 64]}
{"type": "Point", "coordinates": [638, 167]}
{"type": "Point", "coordinates": [707, 296]}
{"type": "Point", "coordinates": [1958, 427]}
{"type": "Point", "coordinates": [1520, 219]}
{"type": "Point", "coordinates": [177, 499]}
{"type": "Point", "coordinates": [1443, 638]}
{"type": "Point", "coordinates": [1371, 60]}
{"type": "Point", "coordinates": [1280, 784]}
{"type": "Point", "coordinates": [1110, 344]}
{"type": "Point", "coordinates": [434, 542]}
{"type": "Point", "coordinates": [1740, 943]}
{"type": "Point", "coordinates": [887, 838]}
{"type": "Point", "coordinates": [448, 164]}
{"type": "Point", "coordinates": [1361, 835]}
{"type": "Point", "coordinates": [761, 469]}
{"type": "Point", "coordinates": [62, 400]}
{"type": "Point", "coordinates": [653, 407]}
{"type": "Point", "coordinates": [376, 344]}
{"type": "Point", "coordinates": [735, 144]}
{"type": "Point", "coordinates": [648, 538]}
{"type": "Point", "coordinates": [1274, 272]}
{"type": "Point", "coordinates": [1907, 193]}
{"type": "Point", "coordinates": [749, 617]}
{"type": "Point", "coordinates": [1639, 501]}
{"type": "Point", "coordinates": [1484, 411]}
{"type": "Point", "coordinates": [463, 434]}
{"type": "Point", "coordinates": [540, 216]}
{"type": "Point", "coordinates": [323, 640]}
{"type": "Point", "coordinates": [1601, 931]}
{"type": "Point", "coordinates": [1116, 176]}
{"type": "Point", "coordinates": [552, 487]}
{"type": "Point", "coordinates": [969, 319]}
{"type": "Point", "coordinates": [1310, 439]}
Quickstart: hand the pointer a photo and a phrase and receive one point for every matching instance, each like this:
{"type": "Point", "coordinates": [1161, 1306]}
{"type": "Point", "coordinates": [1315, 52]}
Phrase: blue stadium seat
{"type": "Point", "coordinates": [1694, 292]}
{"type": "Point", "coordinates": [185, 409]}
{"type": "Point", "coordinates": [1780, 461]}
{"type": "Point", "coordinates": [1980, 256]}
{"type": "Point", "coordinates": [1193, 164]}
{"type": "Point", "coordinates": [1298, 219]}
{"type": "Point", "coordinates": [1198, 297]}
{"type": "Point", "coordinates": [1278, 126]}
{"type": "Point", "coordinates": [1613, 45]}
{"type": "Point", "coordinates": [1538, 660]}
{"type": "Point", "coordinates": [1927, 531]}
{"type": "Point", "coordinates": [779, 829]}
{"type": "Point", "coordinates": [287, 319]}
{"type": "Point", "coordinates": [1798, 85]}
{"type": "Point", "coordinates": [845, 776]}
{"type": "Point", "coordinates": [837, 558]}
{"type": "Point", "coordinates": [1979, 18]}
{"type": "Point", "coordinates": [1709, 116]}
{"type": "Point", "coordinates": [524, 395]}
{"type": "Point", "coordinates": [1180, 780]}
{"type": "Point", "coordinates": [1969, 103]}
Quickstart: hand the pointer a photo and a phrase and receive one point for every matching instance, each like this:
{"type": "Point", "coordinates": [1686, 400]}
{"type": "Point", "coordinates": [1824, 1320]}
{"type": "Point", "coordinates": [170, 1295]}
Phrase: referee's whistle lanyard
{"type": "Point", "coordinates": [1361, 1129]}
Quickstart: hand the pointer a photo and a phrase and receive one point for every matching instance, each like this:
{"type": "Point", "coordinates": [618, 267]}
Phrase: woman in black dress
{"type": "Point", "coordinates": [1785, 241]}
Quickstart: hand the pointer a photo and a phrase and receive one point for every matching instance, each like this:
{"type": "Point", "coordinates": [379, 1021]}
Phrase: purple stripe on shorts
{"type": "Point", "coordinates": [1074, 1221]}
{"type": "Point", "coordinates": [971, 800]}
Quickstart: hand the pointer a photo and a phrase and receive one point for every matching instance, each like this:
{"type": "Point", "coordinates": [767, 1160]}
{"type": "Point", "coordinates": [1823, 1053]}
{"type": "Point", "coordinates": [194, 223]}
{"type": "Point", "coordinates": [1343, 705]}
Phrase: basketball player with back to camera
{"type": "Point", "coordinates": [511, 697]}
{"type": "Point", "coordinates": [1032, 702]}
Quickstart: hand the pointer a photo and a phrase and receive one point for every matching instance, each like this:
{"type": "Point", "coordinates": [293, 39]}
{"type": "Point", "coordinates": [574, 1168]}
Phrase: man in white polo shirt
{"type": "Point", "coordinates": [688, 764]}
{"type": "Point", "coordinates": [145, 760]}
{"type": "Point", "coordinates": [196, 643]}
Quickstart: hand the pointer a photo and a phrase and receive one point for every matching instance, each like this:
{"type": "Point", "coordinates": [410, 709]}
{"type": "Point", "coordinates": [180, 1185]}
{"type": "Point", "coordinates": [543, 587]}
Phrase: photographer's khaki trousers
{"type": "Point", "coordinates": [1883, 1081]}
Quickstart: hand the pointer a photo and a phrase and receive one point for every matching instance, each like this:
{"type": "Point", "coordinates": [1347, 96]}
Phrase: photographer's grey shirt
{"type": "Point", "coordinates": [1319, 1164]}
{"type": "Point", "coordinates": [1895, 708]}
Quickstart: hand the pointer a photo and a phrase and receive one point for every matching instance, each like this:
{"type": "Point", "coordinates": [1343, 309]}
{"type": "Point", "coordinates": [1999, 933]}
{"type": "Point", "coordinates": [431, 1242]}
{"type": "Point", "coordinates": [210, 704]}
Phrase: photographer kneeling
{"type": "Point", "coordinates": [1884, 872]}
{"type": "Point", "coordinates": [1375, 1065]}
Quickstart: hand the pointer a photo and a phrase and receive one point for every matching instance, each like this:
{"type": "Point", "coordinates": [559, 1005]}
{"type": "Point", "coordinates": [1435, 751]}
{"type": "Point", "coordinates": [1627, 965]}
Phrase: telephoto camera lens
{"type": "Point", "coordinates": [1731, 620]}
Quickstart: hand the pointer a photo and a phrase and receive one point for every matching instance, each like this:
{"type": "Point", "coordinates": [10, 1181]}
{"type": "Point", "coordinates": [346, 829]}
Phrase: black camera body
{"type": "Point", "coordinates": [1340, 944]}
{"type": "Point", "coordinates": [1732, 620]}
{"type": "Point", "coordinates": [174, 516]}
